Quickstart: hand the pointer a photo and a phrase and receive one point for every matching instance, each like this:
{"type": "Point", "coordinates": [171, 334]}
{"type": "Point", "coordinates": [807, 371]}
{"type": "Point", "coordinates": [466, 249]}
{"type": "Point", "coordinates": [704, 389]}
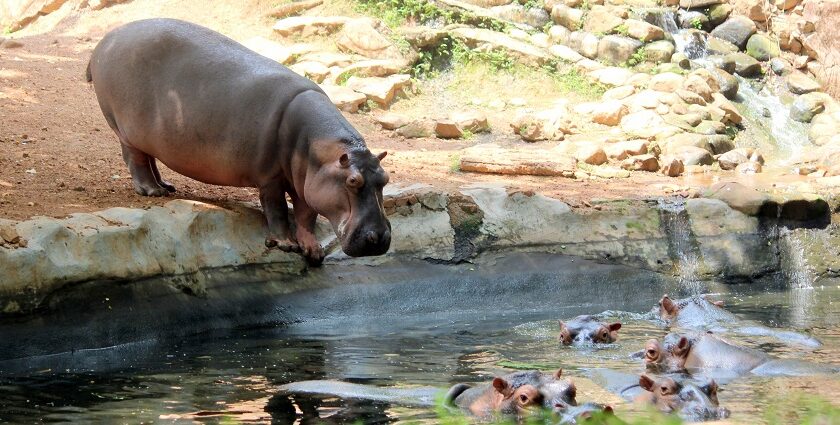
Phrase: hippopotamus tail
{"type": "Point", "coordinates": [454, 392]}
{"type": "Point", "coordinates": [88, 77]}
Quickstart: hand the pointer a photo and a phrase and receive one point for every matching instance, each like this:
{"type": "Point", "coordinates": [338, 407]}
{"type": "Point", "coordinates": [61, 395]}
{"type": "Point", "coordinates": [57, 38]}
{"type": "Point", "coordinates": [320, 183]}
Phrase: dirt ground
{"type": "Point", "coordinates": [58, 156]}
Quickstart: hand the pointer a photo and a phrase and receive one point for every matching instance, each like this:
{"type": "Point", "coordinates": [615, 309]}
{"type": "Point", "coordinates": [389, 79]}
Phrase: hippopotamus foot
{"type": "Point", "coordinates": [163, 183]}
{"type": "Point", "coordinates": [305, 218]}
{"type": "Point", "coordinates": [283, 244]}
{"type": "Point", "coordinates": [143, 172]}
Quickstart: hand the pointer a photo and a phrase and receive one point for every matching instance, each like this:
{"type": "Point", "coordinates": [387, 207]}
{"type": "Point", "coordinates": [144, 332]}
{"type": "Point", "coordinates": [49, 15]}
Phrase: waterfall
{"type": "Point", "coordinates": [682, 246]}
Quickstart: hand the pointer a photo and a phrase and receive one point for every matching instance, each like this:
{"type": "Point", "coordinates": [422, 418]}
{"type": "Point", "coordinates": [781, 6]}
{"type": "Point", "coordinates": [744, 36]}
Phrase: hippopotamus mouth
{"type": "Point", "coordinates": [364, 240]}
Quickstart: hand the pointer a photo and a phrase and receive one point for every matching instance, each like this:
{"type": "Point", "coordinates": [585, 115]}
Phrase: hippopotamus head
{"type": "Point", "coordinates": [519, 401]}
{"type": "Point", "coordinates": [669, 309]}
{"type": "Point", "coordinates": [691, 401]}
{"type": "Point", "coordinates": [583, 413]}
{"type": "Point", "coordinates": [348, 192]}
{"type": "Point", "coordinates": [668, 357]}
{"type": "Point", "coordinates": [588, 329]}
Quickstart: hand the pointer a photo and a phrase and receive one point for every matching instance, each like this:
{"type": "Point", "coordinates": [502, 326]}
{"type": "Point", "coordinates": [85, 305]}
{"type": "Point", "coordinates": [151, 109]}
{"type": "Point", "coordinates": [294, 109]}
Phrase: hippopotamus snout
{"type": "Point", "coordinates": [369, 239]}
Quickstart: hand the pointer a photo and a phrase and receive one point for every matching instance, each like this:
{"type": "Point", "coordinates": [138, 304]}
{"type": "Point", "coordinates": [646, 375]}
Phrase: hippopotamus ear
{"type": "Point", "coordinates": [712, 388]}
{"type": "Point", "coordinates": [562, 325]}
{"type": "Point", "coordinates": [608, 410]}
{"type": "Point", "coordinates": [718, 303]}
{"type": "Point", "coordinates": [502, 386]}
{"type": "Point", "coordinates": [382, 155]}
{"type": "Point", "coordinates": [558, 373]}
{"type": "Point", "coordinates": [668, 304]}
{"type": "Point", "coordinates": [646, 383]}
{"type": "Point", "coordinates": [682, 347]}
{"type": "Point", "coordinates": [344, 160]}
{"type": "Point", "coordinates": [614, 326]}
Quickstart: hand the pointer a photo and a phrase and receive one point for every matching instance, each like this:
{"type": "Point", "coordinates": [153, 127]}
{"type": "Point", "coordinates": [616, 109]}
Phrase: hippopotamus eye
{"type": "Point", "coordinates": [355, 180]}
{"type": "Point", "coordinates": [523, 398]}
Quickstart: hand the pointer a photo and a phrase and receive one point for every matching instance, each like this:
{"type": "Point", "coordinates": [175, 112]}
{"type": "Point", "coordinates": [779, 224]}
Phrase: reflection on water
{"type": "Point", "coordinates": [232, 376]}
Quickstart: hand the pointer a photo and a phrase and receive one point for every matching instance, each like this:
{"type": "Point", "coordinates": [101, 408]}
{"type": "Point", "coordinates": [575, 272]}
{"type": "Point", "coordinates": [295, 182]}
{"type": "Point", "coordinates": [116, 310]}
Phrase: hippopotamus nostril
{"type": "Point", "coordinates": [371, 237]}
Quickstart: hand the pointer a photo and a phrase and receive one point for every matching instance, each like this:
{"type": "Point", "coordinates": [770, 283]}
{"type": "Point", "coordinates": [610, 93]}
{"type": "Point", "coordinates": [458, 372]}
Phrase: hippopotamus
{"type": "Point", "coordinates": [586, 328]}
{"type": "Point", "coordinates": [709, 353]}
{"type": "Point", "coordinates": [698, 313]}
{"type": "Point", "coordinates": [500, 397]}
{"type": "Point", "coordinates": [213, 110]}
{"type": "Point", "coordinates": [691, 399]}
{"type": "Point", "coordinates": [557, 394]}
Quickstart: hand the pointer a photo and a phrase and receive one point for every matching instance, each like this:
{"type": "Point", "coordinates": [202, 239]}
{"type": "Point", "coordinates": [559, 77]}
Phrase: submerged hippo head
{"type": "Point", "coordinates": [669, 309]}
{"type": "Point", "coordinates": [588, 329]}
{"type": "Point", "coordinates": [691, 401]}
{"type": "Point", "coordinates": [348, 192]}
{"type": "Point", "coordinates": [520, 401]}
{"type": "Point", "coordinates": [584, 413]}
{"type": "Point", "coordinates": [668, 357]}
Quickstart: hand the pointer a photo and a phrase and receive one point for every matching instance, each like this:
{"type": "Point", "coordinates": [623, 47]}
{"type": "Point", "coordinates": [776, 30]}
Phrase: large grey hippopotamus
{"type": "Point", "coordinates": [698, 313]}
{"type": "Point", "coordinates": [712, 355]}
{"type": "Point", "coordinates": [213, 110]}
{"type": "Point", "coordinates": [587, 329]}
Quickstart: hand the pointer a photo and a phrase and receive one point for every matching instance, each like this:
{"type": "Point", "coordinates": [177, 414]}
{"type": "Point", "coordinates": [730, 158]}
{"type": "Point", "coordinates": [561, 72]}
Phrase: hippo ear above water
{"type": "Point", "coordinates": [646, 383]}
{"type": "Point", "coordinates": [614, 326]}
{"type": "Point", "coordinates": [558, 373]}
{"type": "Point", "coordinates": [502, 386]}
{"type": "Point", "coordinates": [668, 304]}
{"type": "Point", "coordinates": [682, 347]}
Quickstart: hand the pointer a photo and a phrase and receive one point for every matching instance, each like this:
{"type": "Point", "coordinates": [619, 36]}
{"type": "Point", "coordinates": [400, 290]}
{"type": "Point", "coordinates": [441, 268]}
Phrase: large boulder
{"type": "Point", "coordinates": [601, 20]}
{"type": "Point", "coordinates": [806, 106]}
{"type": "Point", "coordinates": [359, 36]}
{"type": "Point", "coordinates": [698, 4]}
{"type": "Point", "coordinates": [717, 46]}
{"type": "Point", "coordinates": [617, 49]}
{"type": "Point", "coordinates": [799, 83]}
{"type": "Point", "coordinates": [745, 65]}
{"type": "Point", "coordinates": [739, 197]}
{"type": "Point", "coordinates": [568, 17]}
{"type": "Point", "coordinates": [309, 25]}
{"type": "Point", "coordinates": [727, 82]}
{"type": "Point", "coordinates": [643, 31]}
{"type": "Point", "coordinates": [736, 30]}
{"type": "Point", "coordinates": [584, 43]}
{"type": "Point", "coordinates": [646, 124]}
{"type": "Point", "coordinates": [667, 82]}
{"type": "Point", "coordinates": [609, 113]}
{"type": "Point", "coordinates": [762, 47]}
{"type": "Point", "coordinates": [659, 51]}
{"type": "Point", "coordinates": [752, 9]}
{"type": "Point", "coordinates": [719, 13]}
{"type": "Point", "coordinates": [823, 42]}
{"type": "Point", "coordinates": [488, 40]}
{"type": "Point", "coordinates": [535, 17]}
{"type": "Point", "coordinates": [344, 98]}
{"type": "Point", "coordinates": [550, 124]}
{"type": "Point", "coordinates": [691, 155]}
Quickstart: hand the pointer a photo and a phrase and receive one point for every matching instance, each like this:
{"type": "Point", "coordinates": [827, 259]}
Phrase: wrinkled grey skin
{"type": "Point", "coordinates": [714, 356]}
{"type": "Point", "coordinates": [699, 314]}
{"type": "Point", "coordinates": [215, 111]}
{"type": "Point", "coordinates": [587, 329]}
{"type": "Point", "coordinates": [694, 400]}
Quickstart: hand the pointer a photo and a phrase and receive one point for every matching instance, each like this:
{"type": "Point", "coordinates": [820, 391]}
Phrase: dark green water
{"type": "Point", "coordinates": [231, 376]}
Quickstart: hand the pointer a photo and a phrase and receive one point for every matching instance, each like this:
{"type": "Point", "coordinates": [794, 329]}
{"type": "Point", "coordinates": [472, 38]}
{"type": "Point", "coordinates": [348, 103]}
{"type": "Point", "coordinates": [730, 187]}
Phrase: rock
{"type": "Point", "coordinates": [698, 4]}
{"type": "Point", "coordinates": [732, 159]}
{"type": "Point", "coordinates": [359, 36]}
{"type": "Point", "coordinates": [612, 76]}
{"type": "Point", "coordinates": [806, 106]}
{"type": "Point", "coordinates": [693, 19]}
{"type": "Point", "coordinates": [736, 30]}
{"type": "Point", "coordinates": [618, 93]}
{"type": "Point", "coordinates": [731, 114]}
{"type": "Point", "coordinates": [584, 43]}
{"type": "Point", "coordinates": [799, 83]}
{"type": "Point", "coordinates": [532, 16]}
{"type": "Point", "coordinates": [786, 4]}
{"type": "Point", "coordinates": [446, 129]}
{"type": "Point", "coordinates": [488, 40]}
{"type": "Point", "coordinates": [565, 53]}
{"type": "Point", "coordinates": [330, 59]}
{"type": "Point", "coordinates": [293, 8]}
{"type": "Point", "coordinates": [8, 232]}
{"type": "Point", "coordinates": [489, 158]}
{"type": "Point", "coordinates": [601, 20]}
{"type": "Point", "coordinates": [645, 99]}
{"type": "Point", "coordinates": [559, 34]}
{"type": "Point", "coordinates": [381, 90]}
{"type": "Point", "coordinates": [368, 68]}
{"type": "Point", "coordinates": [678, 141]}
{"type": "Point", "coordinates": [100, 4]}
{"type": "Point", "coordinates": [780, 66]}
{"type": "Point", "coordinates": [551, 124]}
{"type": "Point", "coordinates": [659, 51]}
{"type": "Point", "coordinates": [609, 113]}
{"type": "Point", "coordinates": [645, 124]}
{"type": "Point", "coordinates": [422, 37]}
{"type": "Point", "coordinates": [568, 17]}
{"type": "Point", "coordinates": [645, 162]}
{"type": "Point", "coordinates": [672, 167]}
{"type": "Point", "coordinates": [749, 167]}
{"type": "Point", "coordinates": [617, 49]}
{"type": "Point", "coordinates": [309, 25]}
{"type": "Point", "coordinates": [643, 31]}
{"type": "Point", "coordinates": [745, 65]}
{"type": "Point", "coordinates": [690, 97]}
{"type": "Point", "coordinates": [417, 129]}
{"type": "Point", "coordinates": [709, 127]}
{"type": "Point", "coordinates": [390, 121]}
{"type": "Point", "coordinates": [726, 63]}
{"type": "Point", "coordinates": [719, 13]}
{"type": "Point", "coordinates": [739, 197]}
{"type": "Point", "coordinates": [472, 121]}
{"type": "Point", "coordinates": [344, 98]}
{"type": "Point", "coordinates": [624, 149]}
{"type": "Point", "coordinates": [691, 155]}
{"type": "Point", "coordinates": [762, 47]}
{"type": "Point", "coordinates": [276, 51]}
{"type": "Point", "coordinates": [716, 46]}
{"type": "Point", "coordinates": [591, 154]}
{"type": "Point", "coordinates": [315, 71]}
{"type": "Point", "coordinates": [698, 85]}
{"type": "Point", "coordinates": [680, 60]}
{"type": "Point", "coordinates": [752, 9]}
{"type": "Point", "coordinates": [727, 83]}
{"type": "Point", "coordinates": [667, 82]}
{"type": "Point", "coordinates": [540, 39]}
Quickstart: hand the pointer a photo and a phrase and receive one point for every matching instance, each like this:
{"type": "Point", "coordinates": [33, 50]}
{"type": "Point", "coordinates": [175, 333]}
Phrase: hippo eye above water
{"type": "Point", "coordinates": [523, 398]}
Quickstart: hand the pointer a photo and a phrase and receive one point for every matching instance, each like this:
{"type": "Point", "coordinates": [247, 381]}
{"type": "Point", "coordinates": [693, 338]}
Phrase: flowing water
{"type": "Point", "coordinates": [232, 376]}
{"type": "Point", "coordinates": [682, 246]}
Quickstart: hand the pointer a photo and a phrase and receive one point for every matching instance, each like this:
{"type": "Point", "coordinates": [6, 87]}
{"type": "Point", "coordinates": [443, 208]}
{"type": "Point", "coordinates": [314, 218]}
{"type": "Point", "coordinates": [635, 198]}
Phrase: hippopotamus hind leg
{"type": "Point", "coordinates": [139, 165]}
{"type": "Point", "coordinates": [305, 218]}
{"type": "Point", "coordinates": [163, 183]}
{"type": "Point", "coordinates": [273, 200]}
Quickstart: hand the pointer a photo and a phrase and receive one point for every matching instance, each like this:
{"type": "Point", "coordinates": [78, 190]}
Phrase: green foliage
{"type": "Point", "coordinates": [572, 80]}
{"type": "Point", "coordinates": [802, 409]}
{"type": "Point", "coordinates": [621, 30]}
{"type": "Point", "coordinates": [7, 30]}
{"type": "Point", "coordinates": [525, 365]}
{"type": "Point", "coordinates": [638, 57]}
{"type": "Point", "coordinates": [696, 23]}
{"type": "Point", "coordinates": [467, 134]}
{"type": "Point", "coordinates": [455, 163]}
{"type": "Point", "coordinates": [395, 13]}
{"type": "Point", "coordinates": [532, 4]}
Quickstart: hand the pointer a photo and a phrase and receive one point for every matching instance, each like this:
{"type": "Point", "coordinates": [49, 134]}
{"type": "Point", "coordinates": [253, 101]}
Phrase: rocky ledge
{"type": "Point", "coordinates": [733, 234]}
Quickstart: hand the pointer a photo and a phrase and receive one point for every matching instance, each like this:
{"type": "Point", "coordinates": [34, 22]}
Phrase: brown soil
{"type": "Point", "coordinates": [58, 156]}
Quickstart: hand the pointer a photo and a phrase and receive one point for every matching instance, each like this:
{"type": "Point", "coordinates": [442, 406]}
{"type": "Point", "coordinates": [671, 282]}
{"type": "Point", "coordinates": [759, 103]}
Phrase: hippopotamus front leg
{"type": "Point", "coordinates": [305, 218]}
{"type": "Point", "coordinates": [273, 200]}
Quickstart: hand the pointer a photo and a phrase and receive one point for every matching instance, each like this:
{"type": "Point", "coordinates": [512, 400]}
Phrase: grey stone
{"type": "Point", "coordinates": [659, 51]}
{"type": "Point", "coordinates": [806, 106]}
{"type": "Point", "coordinates": [584, 43]}
{"type": "Point", "coordinates": [727, 82]}
{"type": "Point", "coordinates": [617, 49]}
{"type": "Point", "coordinates": [762, 47]}
{"type": "Point", "coordinates": [745, 65]}
{"type": "Point", "coordinates": [736, 30]}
